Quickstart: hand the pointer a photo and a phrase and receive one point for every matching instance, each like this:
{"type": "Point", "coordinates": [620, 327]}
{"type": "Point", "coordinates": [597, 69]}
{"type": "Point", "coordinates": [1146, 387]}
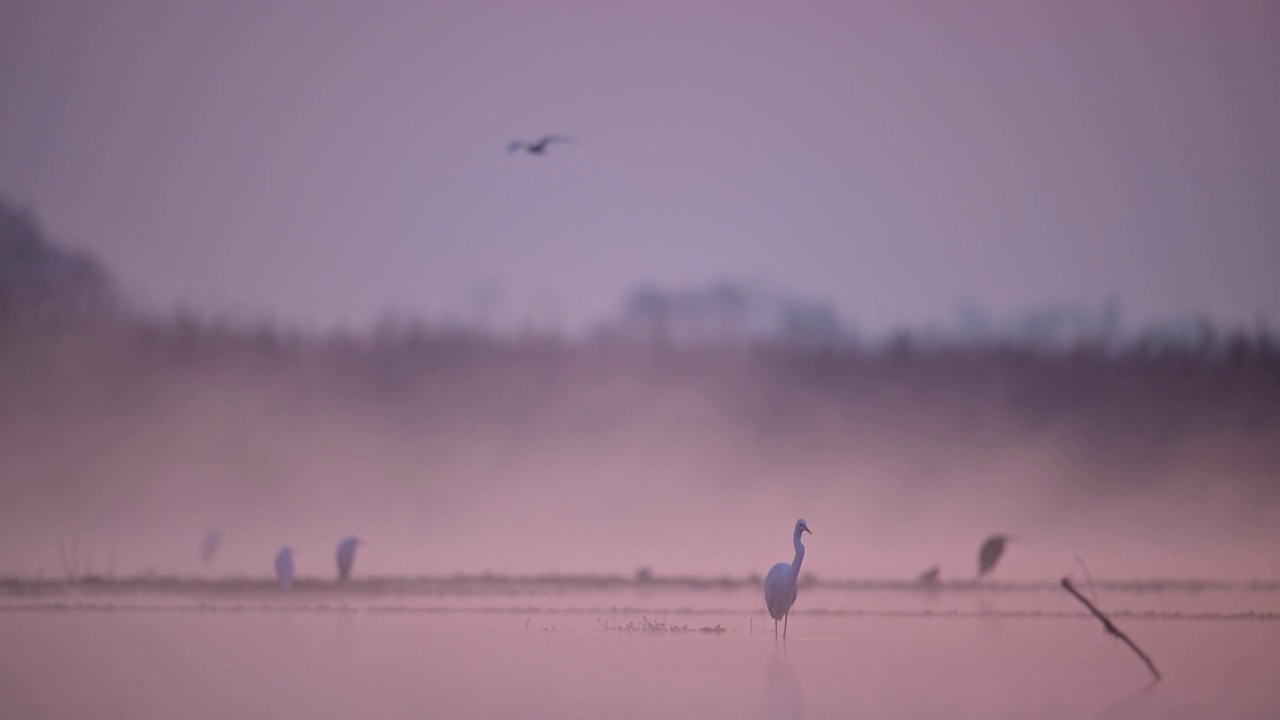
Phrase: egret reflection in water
{"type": "Point", "coordinates": [782, 688]}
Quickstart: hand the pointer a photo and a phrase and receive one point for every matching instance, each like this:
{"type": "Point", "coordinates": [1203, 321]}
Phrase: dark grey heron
{"type": "Point", "coordinates": [990, 553]}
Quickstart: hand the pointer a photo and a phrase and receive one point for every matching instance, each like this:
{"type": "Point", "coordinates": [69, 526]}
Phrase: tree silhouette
{"type": "Point", "coordinates": [38, 277]}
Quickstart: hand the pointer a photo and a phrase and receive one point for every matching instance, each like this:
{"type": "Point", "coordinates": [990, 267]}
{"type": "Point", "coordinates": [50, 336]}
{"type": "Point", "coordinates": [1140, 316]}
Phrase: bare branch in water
{"type": "Point", "coordinates": [1087, 578]}
{"type": "Point", "coordinates": [1110, 627]}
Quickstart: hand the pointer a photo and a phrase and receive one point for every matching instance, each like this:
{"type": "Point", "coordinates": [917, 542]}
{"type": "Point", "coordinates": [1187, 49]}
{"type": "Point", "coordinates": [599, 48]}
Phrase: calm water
{"type": "Point", "coordinates": [569, 651]}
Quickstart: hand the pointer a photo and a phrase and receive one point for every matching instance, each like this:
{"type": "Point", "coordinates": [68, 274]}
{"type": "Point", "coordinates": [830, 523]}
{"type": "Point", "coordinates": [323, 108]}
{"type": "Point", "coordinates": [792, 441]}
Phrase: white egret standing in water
{"type": "Point", "coordinates": [284, 567]}
{"type": "Point", "coordinates": [346, 556]}
{"type": "Point", "coordinates": [780, 583]}
{"type": "Point", "coordinates": [990, 553]}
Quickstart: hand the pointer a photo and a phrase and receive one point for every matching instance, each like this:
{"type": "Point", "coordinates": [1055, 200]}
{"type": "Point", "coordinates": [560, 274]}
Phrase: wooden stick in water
{"type": "Point", "coordinates": [1087, 578]}
{"type": "Point", "coordinates": [1111, 628]}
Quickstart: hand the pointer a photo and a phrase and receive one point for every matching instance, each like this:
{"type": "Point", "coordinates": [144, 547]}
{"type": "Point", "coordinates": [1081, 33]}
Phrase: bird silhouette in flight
{"type": "Point", "coordinates": [537, 148]}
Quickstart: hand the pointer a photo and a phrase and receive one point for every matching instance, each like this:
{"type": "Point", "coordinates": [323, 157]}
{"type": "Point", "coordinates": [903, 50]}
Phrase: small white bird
{"type": "Point", "coordinates": [284, 567]}
{"type": "Point", "coordinates": [780, 583]}
{"type": "Point", "coordinates": [347, 556]}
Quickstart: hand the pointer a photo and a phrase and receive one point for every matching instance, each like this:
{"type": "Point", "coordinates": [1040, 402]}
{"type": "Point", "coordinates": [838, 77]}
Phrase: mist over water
{"type": "Point", "coordinates": [452, 452]}
{"type": "Point", "coordinates": [577, 526]}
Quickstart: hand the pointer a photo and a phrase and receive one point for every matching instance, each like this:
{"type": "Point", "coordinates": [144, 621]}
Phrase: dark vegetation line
{"type": "Point", "coordinates": [1126, 414]}
{"type": "Point", "coordinates": [71, 352]}
{"type": "Point", "coordinates": [1148, 389]}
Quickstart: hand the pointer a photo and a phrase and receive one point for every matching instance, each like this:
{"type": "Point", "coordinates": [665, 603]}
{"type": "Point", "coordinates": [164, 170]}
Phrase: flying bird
{"type": "Point", "coordinates": [780, 583]}
{"type": "Point", "coordinates": [346, 556]}
{"type": "Point", "coordinates": [990, 553]}
{"type": "Point", "coordinates": [539, 147]}
{"type": "Point", "coordinates": [284, 567]}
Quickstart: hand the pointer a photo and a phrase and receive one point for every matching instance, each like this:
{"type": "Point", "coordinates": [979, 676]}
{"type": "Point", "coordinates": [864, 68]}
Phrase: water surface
{"type": "Point", "coordinates": [572, 650]}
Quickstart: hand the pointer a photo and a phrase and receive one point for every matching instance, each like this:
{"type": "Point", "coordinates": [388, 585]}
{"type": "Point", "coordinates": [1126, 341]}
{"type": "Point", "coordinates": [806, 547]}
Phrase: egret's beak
{"type": "Point", "coordinates": [806, 529]}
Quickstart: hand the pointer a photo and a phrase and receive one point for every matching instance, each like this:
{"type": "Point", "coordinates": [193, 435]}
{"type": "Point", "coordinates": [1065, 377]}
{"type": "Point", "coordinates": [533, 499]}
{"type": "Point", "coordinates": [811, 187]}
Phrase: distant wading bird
{"type": "Point", "coordinates": [284, 567]}
{"type": "Point", "coordinates": [346, 556]}
{"type": "Point", "coordinates": [780, 583]}
{"type": "Point", "coordinates": [929, 577]}
{"type": "Point", "coordinates": [540, 147]}
{"type": "Point", "coordinates": [990, 553]}
{"type": "Point", "coordinates": [209, 547]}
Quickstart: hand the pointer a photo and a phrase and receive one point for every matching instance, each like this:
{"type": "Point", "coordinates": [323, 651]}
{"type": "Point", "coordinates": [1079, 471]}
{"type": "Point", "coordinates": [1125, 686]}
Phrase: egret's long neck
{"type": "Point", "coordinates": [795, 564]}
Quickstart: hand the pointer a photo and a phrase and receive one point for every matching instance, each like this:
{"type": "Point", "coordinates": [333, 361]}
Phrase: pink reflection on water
{"type": "Point", "coordinates": [303, 658]}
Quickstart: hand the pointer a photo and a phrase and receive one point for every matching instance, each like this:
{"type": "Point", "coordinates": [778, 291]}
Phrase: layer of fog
{"type": "Point", "coordinates": [686, 436]}
{"type": "Point", "coordinates": [455, 454]}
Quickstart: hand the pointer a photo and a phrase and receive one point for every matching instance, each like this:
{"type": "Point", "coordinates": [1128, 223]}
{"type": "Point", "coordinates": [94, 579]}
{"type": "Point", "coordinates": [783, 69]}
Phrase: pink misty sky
{"type": "Point", "coordinates": [329, 162]}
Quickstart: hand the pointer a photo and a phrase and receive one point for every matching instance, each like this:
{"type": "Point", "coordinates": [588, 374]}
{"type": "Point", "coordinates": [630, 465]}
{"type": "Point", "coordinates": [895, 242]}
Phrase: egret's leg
{"type": "Point", "coordinates": [775, 628]}
{"type": "Point", "coordinates": [785, 618]}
